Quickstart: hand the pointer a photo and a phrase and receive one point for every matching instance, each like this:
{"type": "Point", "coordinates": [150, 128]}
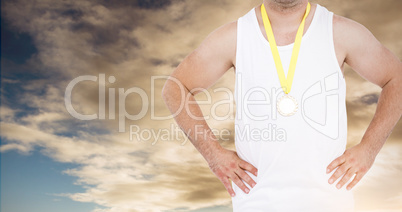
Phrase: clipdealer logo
{"type": "Point", "coordinates": [247, 105]}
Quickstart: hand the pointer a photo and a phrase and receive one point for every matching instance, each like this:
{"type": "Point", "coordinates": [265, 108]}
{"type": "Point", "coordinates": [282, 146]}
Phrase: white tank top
{"type": "Point", "coordinates": [290, 153]}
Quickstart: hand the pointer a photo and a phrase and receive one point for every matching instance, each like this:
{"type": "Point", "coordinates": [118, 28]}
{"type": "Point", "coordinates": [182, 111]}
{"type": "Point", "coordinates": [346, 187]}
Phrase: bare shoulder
{"type": "Point", "coordinates": [341, 21]}
{"type": "Point", "coordinates": [210, 60]}
{"type": "Point", "coordinates": [363, 52]}
{"type": "Point", "coordinates": [221, 43]}
{"type": "Point", "coordinates": [349, 35]}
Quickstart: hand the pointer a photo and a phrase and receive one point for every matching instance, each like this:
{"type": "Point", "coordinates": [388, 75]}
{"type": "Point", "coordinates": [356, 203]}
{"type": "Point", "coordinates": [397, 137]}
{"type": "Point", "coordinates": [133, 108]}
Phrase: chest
{"type": "Point", "coordinates": [286, 37]}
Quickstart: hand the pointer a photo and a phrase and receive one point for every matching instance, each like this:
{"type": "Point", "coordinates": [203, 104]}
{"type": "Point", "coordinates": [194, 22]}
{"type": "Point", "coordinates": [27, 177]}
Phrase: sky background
{"type": "Point", "coordinates": [51, 161]}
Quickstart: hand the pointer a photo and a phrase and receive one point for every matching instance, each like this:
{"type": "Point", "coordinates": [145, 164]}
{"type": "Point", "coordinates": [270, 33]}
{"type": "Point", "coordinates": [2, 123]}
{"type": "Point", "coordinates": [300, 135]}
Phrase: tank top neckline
{"type": "Point", "coordinates": [289, 46]}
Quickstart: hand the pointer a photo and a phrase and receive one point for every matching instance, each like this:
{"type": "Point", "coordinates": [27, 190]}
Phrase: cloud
{"type": "Point", "coordinates": [370, 98]}
{"type": "Point", "coordinates": [123, 176]}
{"type": "Point", "coordinates": [380, 181]}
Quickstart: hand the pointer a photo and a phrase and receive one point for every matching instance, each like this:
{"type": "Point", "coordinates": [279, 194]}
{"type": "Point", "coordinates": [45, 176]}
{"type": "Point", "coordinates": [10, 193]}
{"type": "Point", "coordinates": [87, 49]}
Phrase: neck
{"type": "Point", "coordinates": [285, 13]}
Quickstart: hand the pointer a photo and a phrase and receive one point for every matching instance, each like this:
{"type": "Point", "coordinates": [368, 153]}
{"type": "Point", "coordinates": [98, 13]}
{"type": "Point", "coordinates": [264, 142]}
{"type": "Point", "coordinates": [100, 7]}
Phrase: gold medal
{"type": "Point", "coordinates": [286, 105]}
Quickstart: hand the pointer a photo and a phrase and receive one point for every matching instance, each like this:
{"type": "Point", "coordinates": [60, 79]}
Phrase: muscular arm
{"type": "Point", "coordinates": [375, 63]}
{"type": "Point", "coordinates": [198, 71]}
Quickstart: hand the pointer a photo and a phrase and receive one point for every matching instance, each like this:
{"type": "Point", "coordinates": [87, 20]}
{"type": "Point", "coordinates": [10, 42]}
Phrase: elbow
{"type": "Point", "coordinates": [174, 90]}
{"type": "Point", "coordinates": [169, 90]}
{"type": "Point", "coordinates": [166, 90]}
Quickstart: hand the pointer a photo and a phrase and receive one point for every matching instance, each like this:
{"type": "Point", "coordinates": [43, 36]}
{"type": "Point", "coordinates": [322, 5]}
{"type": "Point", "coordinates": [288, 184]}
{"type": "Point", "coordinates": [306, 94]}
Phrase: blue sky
{"type": "Point", "coordinates": [31, 182]}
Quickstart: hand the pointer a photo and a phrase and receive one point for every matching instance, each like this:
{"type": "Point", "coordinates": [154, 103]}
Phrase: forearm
{"type": "Point", "coordinates": [388, 113]}
{"type": "Point", "coordinates": [189, 117]}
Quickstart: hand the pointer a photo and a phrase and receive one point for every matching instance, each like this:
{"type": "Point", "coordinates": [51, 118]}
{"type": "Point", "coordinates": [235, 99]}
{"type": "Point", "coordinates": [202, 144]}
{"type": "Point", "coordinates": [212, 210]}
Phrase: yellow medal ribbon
{"type": "Point", "coordinates": [286, 82]}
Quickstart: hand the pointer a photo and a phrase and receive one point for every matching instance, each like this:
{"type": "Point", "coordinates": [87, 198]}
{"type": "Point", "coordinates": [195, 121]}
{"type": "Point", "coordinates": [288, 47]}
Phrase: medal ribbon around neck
{"type": "Point", "coordinates": [286, 82]}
